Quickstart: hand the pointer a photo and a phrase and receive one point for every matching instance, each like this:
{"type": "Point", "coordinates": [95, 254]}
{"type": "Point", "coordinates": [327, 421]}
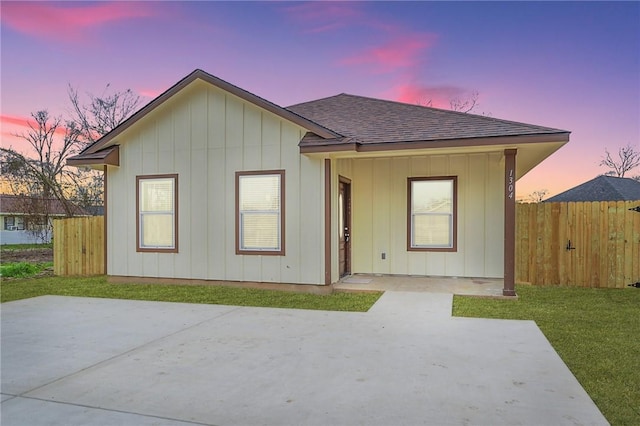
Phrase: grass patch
{"type": "Point", "coordinates": [23, 269]}
{"type": "Point", "coordinates": [98, 287]}
{"type": "Point", "coordinates": [596, 332]}
{"type": "Point", "coordinates": [16, 247]}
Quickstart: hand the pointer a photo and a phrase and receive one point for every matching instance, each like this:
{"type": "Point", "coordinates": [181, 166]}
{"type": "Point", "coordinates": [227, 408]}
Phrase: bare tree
{"type": "Point", "coordinates": [102, 113]}
{"type": "Point", "coordinates": [464, 105]}
{"type": "Point", "coordinates": [458, 104]}
{"type": "Point", "coordinates": [537, 195]}
{"type": "Point", "coordinates": [43, 174]}
{"type": "Point", "coordinates": [628, 159]}
{"type": "Point", "coordinates": [95, 118]}
{"type": "Point", "coordinates": [37, 213]}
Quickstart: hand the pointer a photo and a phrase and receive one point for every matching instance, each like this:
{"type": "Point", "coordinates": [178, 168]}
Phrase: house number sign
{"type": "Point", "coordinates": [510, 184]}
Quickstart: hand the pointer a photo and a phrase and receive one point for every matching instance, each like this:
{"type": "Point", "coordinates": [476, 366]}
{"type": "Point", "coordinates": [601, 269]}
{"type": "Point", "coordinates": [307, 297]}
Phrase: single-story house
{"type": "Point", "coordinates": [601, 188]}
{"type": "Point", "coordinates": [17, 211]}
{"type": "Point", "coordinates": [211, 182]}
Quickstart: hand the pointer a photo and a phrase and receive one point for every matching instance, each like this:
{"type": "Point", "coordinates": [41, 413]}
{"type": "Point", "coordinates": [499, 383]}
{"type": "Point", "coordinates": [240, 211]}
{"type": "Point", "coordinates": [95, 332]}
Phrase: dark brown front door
{"type": "Point", "coordinates": [344, 226]}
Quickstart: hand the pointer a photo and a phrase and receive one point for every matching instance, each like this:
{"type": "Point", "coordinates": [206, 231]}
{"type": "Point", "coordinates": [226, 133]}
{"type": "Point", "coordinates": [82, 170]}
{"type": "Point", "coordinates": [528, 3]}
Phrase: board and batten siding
{"type": "Point", "coordinates": [379, 215]}
{"type": "Point", "coordinates": [206, 135]}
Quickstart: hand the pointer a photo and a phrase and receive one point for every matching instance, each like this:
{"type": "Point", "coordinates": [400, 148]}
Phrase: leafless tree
{"type": "Point", "coordinates": [538, 195]}
{"type": "Point", "coordinates": [101, 114]}
{"type": "Point", "coordinates": [43, 173]}
{"type": "Point", "coordinates": [464, 105]}
{"type": "Point", "coordinates": [458, 104]}
{"type": "Point", "coordinates": [95, 118]}
{"type": "Point", "coordinates": [628, 159]}
{"type": "Point", "coordinates": [37, 212]}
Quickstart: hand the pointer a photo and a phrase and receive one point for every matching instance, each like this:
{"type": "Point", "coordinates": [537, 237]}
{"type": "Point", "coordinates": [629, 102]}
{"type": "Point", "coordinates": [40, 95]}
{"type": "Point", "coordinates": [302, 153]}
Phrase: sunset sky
{"type": "Point", "coordinates": [568, 65]}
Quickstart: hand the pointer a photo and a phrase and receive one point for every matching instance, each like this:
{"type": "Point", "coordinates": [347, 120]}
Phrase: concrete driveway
{"type": "Point", "coordinates": [84, 361]}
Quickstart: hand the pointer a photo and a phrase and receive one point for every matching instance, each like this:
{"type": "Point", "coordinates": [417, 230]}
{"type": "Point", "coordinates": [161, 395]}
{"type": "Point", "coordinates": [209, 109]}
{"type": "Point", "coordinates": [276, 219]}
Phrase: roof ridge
{"type": "Point", "coordinates": [612, 186]}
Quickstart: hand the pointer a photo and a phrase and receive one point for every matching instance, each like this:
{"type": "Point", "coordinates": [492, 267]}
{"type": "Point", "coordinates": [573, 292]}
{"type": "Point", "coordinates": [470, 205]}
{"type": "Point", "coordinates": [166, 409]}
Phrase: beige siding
{"type": "Point", "coordinates": [379, 215]}
{"type": "Point", "coordinates": [205, 135]}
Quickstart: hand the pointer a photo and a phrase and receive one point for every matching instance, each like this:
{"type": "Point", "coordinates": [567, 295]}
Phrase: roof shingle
{"type": "Point", "coordinates": [371, 121]}
{"type": "Point", "coordinates": [601, 188]}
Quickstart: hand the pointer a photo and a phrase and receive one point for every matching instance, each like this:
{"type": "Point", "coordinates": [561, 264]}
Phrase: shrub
{"type": "Point", "coordinates": [21, 269]}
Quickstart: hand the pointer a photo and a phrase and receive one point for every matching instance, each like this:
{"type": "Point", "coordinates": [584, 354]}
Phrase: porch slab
{"type": "Point", "coordinates": [84, 361]}
{"type": "Point", "coordinates": [483, 287]}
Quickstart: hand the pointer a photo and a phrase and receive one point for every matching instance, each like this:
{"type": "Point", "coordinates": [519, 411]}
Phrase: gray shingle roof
{"type": "Point", "coordinates": [601, 188]}
{"type": "Point", "coordinates": [371, 121]}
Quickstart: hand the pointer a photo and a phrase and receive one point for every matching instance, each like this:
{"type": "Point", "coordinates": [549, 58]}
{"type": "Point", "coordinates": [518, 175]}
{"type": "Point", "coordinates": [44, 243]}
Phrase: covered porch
{"type": "Point", "coordinates": [481, 287]}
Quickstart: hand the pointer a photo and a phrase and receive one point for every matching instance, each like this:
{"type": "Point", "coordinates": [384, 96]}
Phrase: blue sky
{"type": "Point", "coordinates": [570, 65]}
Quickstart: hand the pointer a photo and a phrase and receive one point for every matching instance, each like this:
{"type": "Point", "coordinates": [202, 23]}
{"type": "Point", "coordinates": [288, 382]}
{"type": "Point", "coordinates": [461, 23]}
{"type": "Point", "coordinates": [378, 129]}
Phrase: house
{"type": "Point", "coordinates": [601, 188]}
{"type": "Point", "coordinates": [211, 182]}
{"type": "Point", "coordinates": [28, 220]}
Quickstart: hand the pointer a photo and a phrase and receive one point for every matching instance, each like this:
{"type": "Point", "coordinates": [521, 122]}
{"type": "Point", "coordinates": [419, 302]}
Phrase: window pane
{"type": "Point", "coordinates": [432, 196]}
{"type": "Point", "coordinates": [260, 231]}
{"type": "Point", "coordinates": [157, 230]}
{"type": "Point", "coordinates": [432, 208]}
{"type": "Point", "coordinates": [432, 231]}
{"type": "Point", "coordinates": [156, 195]}
{"type": "Point", "coordinates": [260, 193]}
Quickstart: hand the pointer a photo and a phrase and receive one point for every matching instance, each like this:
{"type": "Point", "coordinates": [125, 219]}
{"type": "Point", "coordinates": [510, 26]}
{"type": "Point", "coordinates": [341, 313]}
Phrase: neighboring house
{"type": "Point", "coordinates": [601, 188]}
{"type": "Point", "coordinates": [211, 182]}
{"type": "Point", "coordinates": [18, 216]}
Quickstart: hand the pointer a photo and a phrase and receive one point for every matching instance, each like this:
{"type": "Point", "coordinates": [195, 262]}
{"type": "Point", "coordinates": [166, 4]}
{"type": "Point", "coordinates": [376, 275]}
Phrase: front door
{"type": "Point", "coordinates": [344, 226]}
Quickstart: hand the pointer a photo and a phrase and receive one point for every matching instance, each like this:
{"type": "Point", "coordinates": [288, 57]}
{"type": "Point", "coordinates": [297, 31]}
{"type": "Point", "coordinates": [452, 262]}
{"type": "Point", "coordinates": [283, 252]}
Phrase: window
{"type": "Point", "coordinates": [9, 223]}
{"type": "Point", "coordinates": [157, 221]}
{"type": "Point", "coordinates": [260, 212]}
{"type": "Point", "coordinates": [432, 214]}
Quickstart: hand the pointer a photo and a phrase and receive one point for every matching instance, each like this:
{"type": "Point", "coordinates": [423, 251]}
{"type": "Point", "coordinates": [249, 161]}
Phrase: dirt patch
{"type": "Point", "coordinates": [39, 255]}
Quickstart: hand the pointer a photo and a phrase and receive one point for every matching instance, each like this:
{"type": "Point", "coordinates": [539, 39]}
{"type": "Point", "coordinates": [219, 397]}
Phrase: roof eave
{"type": "Point", "coordinates": [110, 156]}
{"type": "Point", "coordinates": [561, 137]}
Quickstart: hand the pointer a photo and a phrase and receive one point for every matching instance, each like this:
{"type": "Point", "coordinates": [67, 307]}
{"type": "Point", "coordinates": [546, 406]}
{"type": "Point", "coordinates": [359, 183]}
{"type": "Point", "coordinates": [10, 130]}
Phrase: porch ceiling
{"type": "Point", "coordinates": [529, 154]}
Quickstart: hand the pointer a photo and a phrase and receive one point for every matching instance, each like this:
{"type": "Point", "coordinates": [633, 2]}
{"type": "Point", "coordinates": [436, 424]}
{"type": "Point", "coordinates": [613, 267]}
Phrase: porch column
{"type": "Point", "coordinates": [509, 222]}
{"type": "Point", "coordinates": [327, 221]}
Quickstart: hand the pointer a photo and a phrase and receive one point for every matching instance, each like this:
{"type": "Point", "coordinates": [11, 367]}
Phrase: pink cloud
{"type": "Point", "coordinates": [401, 52]}
{"type": "Point", "coordinates": [67, 21]}
{"type": "Point", "coordinates": [324, 16]}
{"type": "Point", "coordinates": [19, 121]}
{"type": "Point", "coordinates": [149, 93]}
{"type": "Point", "coordinates": [26, 123]}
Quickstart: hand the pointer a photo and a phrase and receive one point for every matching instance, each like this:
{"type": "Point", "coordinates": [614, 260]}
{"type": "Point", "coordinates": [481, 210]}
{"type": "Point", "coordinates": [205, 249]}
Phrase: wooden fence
{"type": "Point", "coordinates": [78, 246]}
{"type": "Point", "coordinates": [585, 244]}
{"type": "Point", "coordinates": [590, 244]}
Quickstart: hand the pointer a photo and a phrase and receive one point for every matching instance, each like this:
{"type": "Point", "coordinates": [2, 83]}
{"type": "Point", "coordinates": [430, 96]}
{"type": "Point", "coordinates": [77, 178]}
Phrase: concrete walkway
{"type": "Point", "coordinates": [84, 361]}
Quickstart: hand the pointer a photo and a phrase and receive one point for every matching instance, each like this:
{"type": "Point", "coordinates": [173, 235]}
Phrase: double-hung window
{"type": "Point", "coordinates": [432, 211]}
{"type": "Point", "coordinates": [260, 212]}
{"type": "Point", "coordinates": [157, 210]}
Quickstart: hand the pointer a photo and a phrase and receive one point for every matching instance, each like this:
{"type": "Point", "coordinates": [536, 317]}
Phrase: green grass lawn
{"type": "Point", "coordinates": [13, 247]}
{"type": "Point", "coordinates": [98, 287]}
{"type": "Point", "coordinates": [595, 331]}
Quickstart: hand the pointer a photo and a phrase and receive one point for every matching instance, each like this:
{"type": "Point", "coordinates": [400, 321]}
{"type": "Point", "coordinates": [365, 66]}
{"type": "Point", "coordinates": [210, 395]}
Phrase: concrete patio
{"type": "Point", "coordinates": [84, 361]}
{"type": "Point", "coordinates": [485, 287]}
